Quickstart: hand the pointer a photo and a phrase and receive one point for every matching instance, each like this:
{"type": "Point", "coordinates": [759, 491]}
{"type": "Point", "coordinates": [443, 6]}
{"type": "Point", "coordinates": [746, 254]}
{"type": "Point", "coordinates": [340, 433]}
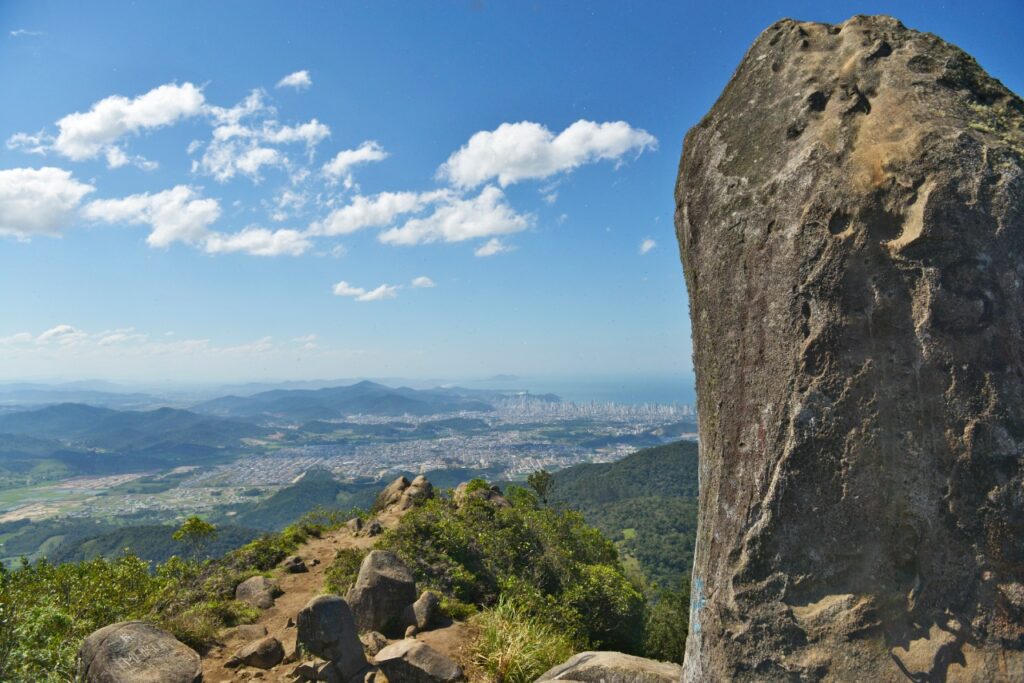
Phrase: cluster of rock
{"type": "Point", "coordinates": [401, 494]}
{"type": "Point", "coordinates": [851, 220]}
{"type": "Point", "coordinates": [491, 494]}
{"type": "Point", "coordinates": [382, 601]}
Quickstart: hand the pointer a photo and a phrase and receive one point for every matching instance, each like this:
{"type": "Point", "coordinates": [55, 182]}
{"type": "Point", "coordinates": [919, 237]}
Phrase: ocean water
{"type": "Point", "coordinates": [635, 390]}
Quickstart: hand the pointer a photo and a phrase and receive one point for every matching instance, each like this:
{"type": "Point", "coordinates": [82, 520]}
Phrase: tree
{"type": "Point", "coordinates": [542, 482]}
{"type": "Point", "coordinates": [196, 534]}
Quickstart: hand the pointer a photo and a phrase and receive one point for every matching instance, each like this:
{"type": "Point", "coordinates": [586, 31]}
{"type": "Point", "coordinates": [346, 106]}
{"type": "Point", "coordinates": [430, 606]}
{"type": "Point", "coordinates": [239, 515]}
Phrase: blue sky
{"type": "Point", "coordinates": [231, 191]}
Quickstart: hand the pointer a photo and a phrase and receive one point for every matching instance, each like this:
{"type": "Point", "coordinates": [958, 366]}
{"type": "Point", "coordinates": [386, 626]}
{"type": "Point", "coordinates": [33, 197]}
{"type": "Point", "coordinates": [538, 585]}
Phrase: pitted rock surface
{"type": "Point", "coordinates": [851, 222]}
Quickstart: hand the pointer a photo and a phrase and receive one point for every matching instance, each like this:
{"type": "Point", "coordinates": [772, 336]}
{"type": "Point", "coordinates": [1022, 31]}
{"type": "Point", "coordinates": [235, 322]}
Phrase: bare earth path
{"type": "Point", "coordinates": [298, 590]}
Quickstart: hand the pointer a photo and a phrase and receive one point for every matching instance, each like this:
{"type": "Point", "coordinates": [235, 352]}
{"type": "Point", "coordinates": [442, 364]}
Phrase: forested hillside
{"type": "Point", "coordinates": [646, 503]}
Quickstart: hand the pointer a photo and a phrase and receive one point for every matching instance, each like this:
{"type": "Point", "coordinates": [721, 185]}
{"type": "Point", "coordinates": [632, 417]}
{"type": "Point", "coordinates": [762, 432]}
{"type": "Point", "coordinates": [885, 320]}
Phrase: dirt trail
{"type": "Point", "coordinates": [298, 590]}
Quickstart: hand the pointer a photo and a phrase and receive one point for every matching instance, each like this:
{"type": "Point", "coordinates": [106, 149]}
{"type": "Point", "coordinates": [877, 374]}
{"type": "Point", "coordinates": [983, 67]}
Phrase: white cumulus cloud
{"type": "Point", "coordinates": [340, 167]}
{"type": "Point", "coordinates": [384, 291]}
{"type": "Point", "coordinates": [459, 219]}
{"type": "Point", "coordinates": [300, 80]}
{"type": "Point", "coordinates": [422, 281]}
{"type": "Point", "coordinates": [84, 135]}
{"type": "Point", "coordinates": [527, 150]}
{"type": "Point", "coordinates": [258, 241]}
{"type": "Point", "coordinates": [375, 211]}
{"type": "Point", "coordinates": [38, 201]}
{"type": "Point", "coordinates": [175, 215]}
{"type": "Point", "coordinates": [647, 245]}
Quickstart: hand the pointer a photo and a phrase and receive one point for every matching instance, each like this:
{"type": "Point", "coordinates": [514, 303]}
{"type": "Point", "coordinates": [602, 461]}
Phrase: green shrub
{"type": "Point", "coordinates": [668, 620]}
{"type": "Point", "coordinates": [511, 646]}
{"type": "Point", "coordinates": [552, 563]}
{"type": "Point", "coordinates": [343, 571]}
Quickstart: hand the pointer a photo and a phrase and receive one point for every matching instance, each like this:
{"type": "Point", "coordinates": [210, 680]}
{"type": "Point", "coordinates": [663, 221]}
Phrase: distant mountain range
{"type": "Point", "coordinates": [362, 398]}
{"type": "Point", "coordinates": [125, 430]}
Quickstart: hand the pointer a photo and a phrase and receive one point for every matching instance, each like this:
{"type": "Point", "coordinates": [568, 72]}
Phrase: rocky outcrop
{"type": "Point", "coordinates": [327, 629]}
{"type": "Point", "coordinates": [491, 494]}
{"type": "Point", "coordinates": [401, 494]}
{"type": "Point", "coordinates": [258, 591]}
{"type": "Point", "coordinates": [851, 221]}
{"type": "Point", "coordinates": [411, 661]}
{"type": "Point", "coordinates": [381, 592]}
{"type": "Point", "coordinates": [612, 667]}
{"type": "Point", "coordinates": [391, 494]}
{"type": "Point", "coordinates": [136, 652]}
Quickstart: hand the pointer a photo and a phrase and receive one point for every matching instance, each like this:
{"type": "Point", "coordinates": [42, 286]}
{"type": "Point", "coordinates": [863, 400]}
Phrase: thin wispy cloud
{"type": "Point", "coordinates": [25, 33]}
{"type": "Point", "coordinates": [647, 245]}
{"type": "Point", "coordinates": [382, 292]}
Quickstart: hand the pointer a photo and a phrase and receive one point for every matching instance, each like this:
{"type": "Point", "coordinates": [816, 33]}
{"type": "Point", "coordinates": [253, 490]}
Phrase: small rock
{"type": "Point", "coordinates": [132, 651]}
{"type": "Point", "coordinates": [327, 629]}
{"type": "Point", "coordinates": [293, 564]}
{"type": "Point", "coordinates": [381, 592]}
{"type": "Point", "coordinates": [411, 660]}
{"type": "Point", "coordinates": [264, 653]}
{"type": "Point", "coordinates": [314, 562]}
{"type": "Point", "coordinates": [355, 525]}
{"type": "Point", "coordinates": [373, 642]}
{"type": "Point", "coordinates": [424, 612]}
{"type": "Point", "coordinates": [258, 591]}
{"type": "Point", "coordinates": [411, 631]}
{"type": "Point", "coordinates": [374, 528]}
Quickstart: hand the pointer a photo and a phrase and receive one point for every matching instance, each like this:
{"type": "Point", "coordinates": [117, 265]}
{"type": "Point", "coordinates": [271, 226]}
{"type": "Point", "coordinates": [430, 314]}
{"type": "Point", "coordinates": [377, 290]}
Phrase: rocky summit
{"type": "Point", "coordinates": [851, 216]}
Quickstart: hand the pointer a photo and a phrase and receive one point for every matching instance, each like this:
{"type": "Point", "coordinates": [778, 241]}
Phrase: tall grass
{"type": "Point", "coordinates": [511, 646]}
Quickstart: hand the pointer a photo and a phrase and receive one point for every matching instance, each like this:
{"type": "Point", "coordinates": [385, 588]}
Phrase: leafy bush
{"type": "Point", "coordinates": [512, 646]}
{"type": "Point", "coordinates": [549, 562]}
{"type": "Point", "coordinates": [668, 619]}
{"type": "Point", "coordinates": [343, 571]}
{"type": "Point", "coordinates": [46, 610]}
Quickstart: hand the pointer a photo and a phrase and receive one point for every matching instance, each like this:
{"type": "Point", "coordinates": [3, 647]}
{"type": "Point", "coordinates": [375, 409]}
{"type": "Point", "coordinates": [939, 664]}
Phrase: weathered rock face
{"type": "Point", "coordinates": [611, 667]}
{"type": "Point", "coordinates": [851, 220]}
{"type": "Point", "coordinates": [136, 652]}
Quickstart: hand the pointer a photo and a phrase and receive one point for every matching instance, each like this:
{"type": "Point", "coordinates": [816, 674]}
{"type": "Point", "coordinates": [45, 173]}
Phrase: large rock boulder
{"type": "Point", "coordinates": [381, 592]}
{"type": "Point", "coordinates": [411, 661]}
{"type": "Point", "coordinates": [612, 667]}
{"type": "Point", "coordinates": [326, 629]}
{"type": "Point", "coordinates": [136, 652]}
{"type": "Point", "coordinates": [851, 221]}
{"type": "Point", "coordinates": [258, 591]}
